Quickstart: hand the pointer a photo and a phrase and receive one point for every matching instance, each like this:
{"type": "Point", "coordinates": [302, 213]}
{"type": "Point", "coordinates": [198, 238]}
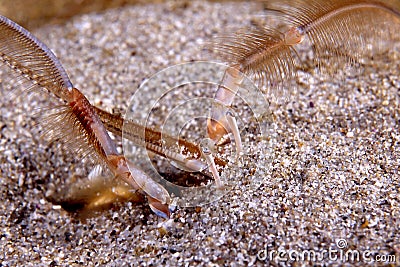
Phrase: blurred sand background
{"type": "Point", "coordinates": [33, 13]}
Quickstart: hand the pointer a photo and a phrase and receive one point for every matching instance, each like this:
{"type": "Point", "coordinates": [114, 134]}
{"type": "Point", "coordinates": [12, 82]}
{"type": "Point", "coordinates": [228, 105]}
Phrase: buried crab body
{"type": "Point", "coordinates": [267, 54]}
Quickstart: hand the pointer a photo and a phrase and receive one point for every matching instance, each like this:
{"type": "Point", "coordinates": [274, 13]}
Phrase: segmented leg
{"type": "Point", "coordinates": [221, 120]}
{"type": "Point", "coordinates": [35, 62]}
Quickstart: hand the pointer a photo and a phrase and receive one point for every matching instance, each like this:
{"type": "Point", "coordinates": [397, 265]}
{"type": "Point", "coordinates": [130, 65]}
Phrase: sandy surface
{"type": "Point", "coordinates": [326, 171]}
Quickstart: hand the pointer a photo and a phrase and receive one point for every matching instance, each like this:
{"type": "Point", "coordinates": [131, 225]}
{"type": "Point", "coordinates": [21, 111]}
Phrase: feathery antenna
{"type": "Point", "coordinates": [340, 32]}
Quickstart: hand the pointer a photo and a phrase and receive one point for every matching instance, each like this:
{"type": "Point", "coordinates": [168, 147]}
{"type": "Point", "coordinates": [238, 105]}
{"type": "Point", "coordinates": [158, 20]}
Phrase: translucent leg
{"type": "Point", "coordinates": [206, 151]}
{"type": "Point", "coordinates": [235, 131]}
{"type": "Point", "coordinates": [221, 120]}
